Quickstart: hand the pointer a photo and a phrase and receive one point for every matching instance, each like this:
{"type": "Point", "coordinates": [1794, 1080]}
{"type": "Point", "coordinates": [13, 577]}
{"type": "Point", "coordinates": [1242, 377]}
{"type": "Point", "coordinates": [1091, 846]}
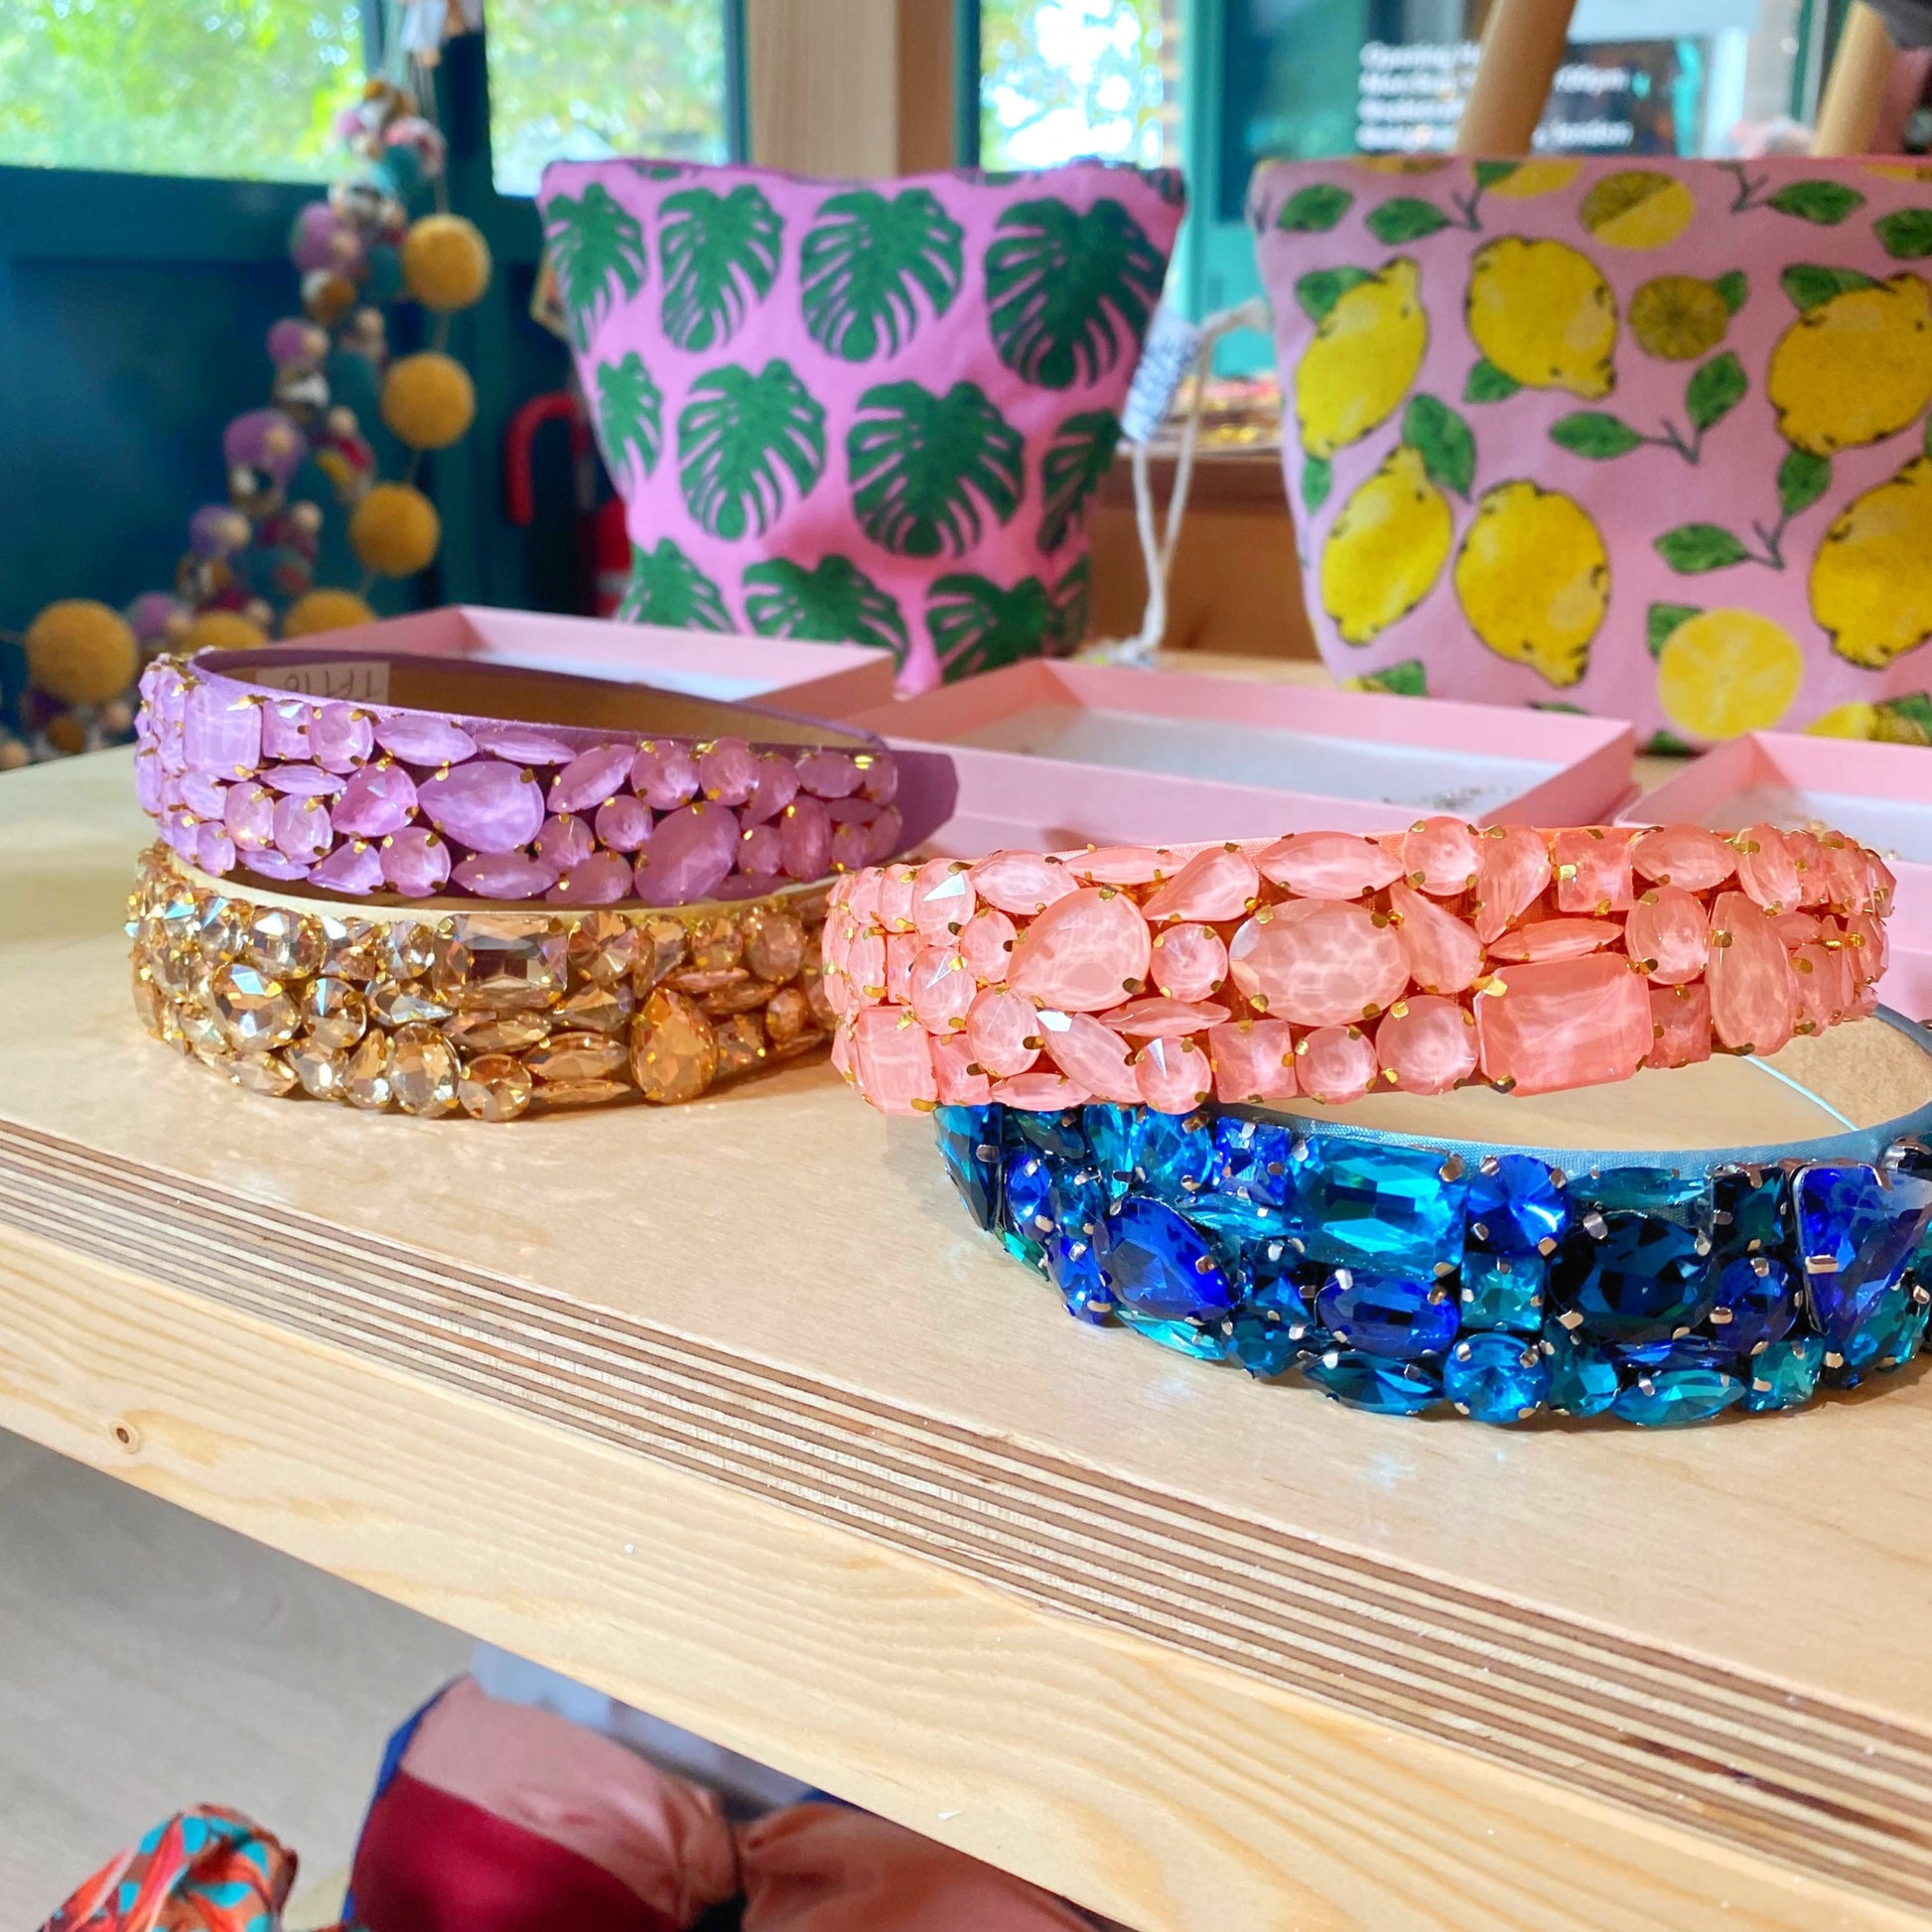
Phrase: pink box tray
{"type": "Point", "coordinates": [1879, 793]}
{"type": "Point", "coordinates": [1051, 756]}
{"type": "Point", "coordinates": [815, 680]}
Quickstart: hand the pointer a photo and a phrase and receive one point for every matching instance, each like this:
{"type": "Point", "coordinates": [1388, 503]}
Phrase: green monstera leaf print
{"type": "Point", "coordinates": [629, 418]}
{"type": "Point", "coordinates": [836, 604]}
{"type": "Point", "coordinates": [977, 627]}
{"type": "Point", "coordinates": [717, 253]}
{"type": "Point", "coordinates": [865, 257]}
{"type": "Point", "coordinates": [923, 465]}
{"type": "Point", "coordinates": [1070, 293]}
{"type": "Point", "coordinates": [1073, 607]}
{"type": "Point", "coordinates": [667, 588]}
{"type": "Point", "coordinates": [738, 438]}
{"type": "Point", "coordinates": [1080, 456]}
{"type": "Point", "coordinates": [594, 243]}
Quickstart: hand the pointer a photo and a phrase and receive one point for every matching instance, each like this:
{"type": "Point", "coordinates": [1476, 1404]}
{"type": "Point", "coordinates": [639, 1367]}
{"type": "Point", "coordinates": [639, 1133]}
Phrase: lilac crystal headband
{"type": "Point", "coordinates": [369, 775]}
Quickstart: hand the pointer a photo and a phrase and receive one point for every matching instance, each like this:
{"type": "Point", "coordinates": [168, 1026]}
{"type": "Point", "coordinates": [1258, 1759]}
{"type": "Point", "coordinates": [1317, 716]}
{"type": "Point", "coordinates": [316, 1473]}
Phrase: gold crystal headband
{"type": "Point", "coordinates": [436, 1011]}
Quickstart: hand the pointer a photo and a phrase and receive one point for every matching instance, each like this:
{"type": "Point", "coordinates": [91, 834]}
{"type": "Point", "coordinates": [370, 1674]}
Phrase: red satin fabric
{"type": "Point", "coordinates": [431, 1863]}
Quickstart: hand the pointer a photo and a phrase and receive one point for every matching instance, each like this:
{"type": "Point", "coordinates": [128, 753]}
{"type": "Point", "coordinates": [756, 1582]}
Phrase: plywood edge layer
{"type": "Point", "coordinates": [1146, 1782]}
{"type": "Point", "coordinates": [1744, 1760]}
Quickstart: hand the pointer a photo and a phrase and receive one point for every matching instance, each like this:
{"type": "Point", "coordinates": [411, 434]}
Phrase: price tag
{"type": "Point", "coordinates": [350, 680]}
{"type": "Point", "coordinates": [1172, 345]}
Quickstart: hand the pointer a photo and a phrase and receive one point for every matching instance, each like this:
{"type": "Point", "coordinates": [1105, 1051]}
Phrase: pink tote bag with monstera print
{"type": "Point", "coordinates": [863, 412]}
{"type": "Point", "coordinates": [1643, 437]}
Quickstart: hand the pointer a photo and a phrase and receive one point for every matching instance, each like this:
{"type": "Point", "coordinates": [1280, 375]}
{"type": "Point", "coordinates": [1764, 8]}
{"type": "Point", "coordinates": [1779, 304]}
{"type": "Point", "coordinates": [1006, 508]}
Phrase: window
{"type": "Point", "coordinates": [232, 88]}
{"type": "Point", "coordinates": [1312, 78]}
{"type": "Point", "coordinates": [1062, 79]}
{"type": "Point", "coordinates": [577, 80]}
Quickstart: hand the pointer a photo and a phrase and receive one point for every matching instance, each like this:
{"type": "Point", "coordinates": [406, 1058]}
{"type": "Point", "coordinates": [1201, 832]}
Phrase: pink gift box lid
{"type": "Point", "coordinates": [1051, 756]}
{"type": "Point", "coordinates": [812, 679]}
{"type": "Point", "coordinates": [1880, 794]}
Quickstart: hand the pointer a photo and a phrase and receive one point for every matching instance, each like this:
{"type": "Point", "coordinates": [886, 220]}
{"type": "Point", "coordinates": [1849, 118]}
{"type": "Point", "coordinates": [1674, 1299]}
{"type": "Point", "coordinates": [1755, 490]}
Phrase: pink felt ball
{"type": "Point", "coordinates": [321, 239]}
{"type": "Point", "coordinates": [297, 343]}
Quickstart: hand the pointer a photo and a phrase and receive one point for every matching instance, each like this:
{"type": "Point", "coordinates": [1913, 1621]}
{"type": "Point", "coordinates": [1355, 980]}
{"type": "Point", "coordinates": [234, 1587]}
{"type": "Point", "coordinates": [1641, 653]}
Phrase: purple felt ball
{"type": "Point", "coordinates": [264, 439]}
{"type": "Point", "coordinates": [297, 343]}
{"type": "Point", "coordinates": [217, 530]}
{"type": "Point", "coordinates": [153, 616]}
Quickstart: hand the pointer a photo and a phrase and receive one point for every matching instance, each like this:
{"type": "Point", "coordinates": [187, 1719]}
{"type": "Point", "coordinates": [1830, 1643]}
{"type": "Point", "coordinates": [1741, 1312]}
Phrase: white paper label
{"type": "Point", "coordinates": [1171, 344]}
{"type": "Point", "coordinates": [348, 680]}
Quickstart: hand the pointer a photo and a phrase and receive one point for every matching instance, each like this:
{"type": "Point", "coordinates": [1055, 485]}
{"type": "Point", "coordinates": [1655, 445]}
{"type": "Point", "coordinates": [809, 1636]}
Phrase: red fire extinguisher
{"type": "Point", "coordinates": [603, 543]}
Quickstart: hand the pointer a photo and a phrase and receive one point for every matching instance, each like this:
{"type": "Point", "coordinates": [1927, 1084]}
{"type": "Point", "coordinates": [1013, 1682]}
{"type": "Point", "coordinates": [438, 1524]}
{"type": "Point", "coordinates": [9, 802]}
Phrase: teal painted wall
{"type": "Point", "coordinates": [132, 316]}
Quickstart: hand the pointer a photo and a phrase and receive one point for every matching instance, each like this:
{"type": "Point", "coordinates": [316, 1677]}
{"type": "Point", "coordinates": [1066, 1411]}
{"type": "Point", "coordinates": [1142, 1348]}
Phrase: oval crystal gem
{"type": "Point", "coordinates": [1427, 1043]}
{"type": "Point", "coordinates": [1753, 989]}
{"type": "Point", "coordinates": [1318, 962]}
{"type": "Point", "coordinates": [1085, 952]}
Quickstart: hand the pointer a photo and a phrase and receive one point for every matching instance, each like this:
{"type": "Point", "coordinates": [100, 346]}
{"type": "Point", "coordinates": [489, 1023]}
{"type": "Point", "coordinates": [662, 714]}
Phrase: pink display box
{"type": "Point", "coordinates": [815, 680]}
{"type": "Point", "coordinates": [1880, 794]}
{"type": "Point", "coordinates": [1052, 756]}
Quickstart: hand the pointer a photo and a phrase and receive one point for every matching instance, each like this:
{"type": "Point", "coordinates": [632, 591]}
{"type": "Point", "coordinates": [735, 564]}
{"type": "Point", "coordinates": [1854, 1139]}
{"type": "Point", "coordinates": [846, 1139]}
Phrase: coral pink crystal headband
{"type": "Point", "coordinates": [1329, 964]}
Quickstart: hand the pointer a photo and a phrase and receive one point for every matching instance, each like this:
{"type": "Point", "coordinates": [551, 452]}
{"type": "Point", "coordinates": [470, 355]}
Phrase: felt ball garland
{"type": "Point", "coordinates": [248, 571]}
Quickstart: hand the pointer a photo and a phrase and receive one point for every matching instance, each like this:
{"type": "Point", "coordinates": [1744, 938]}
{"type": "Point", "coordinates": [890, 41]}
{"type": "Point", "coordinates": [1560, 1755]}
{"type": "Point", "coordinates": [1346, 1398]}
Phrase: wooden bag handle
{"type": "Point", "coordinates": [1522, 48]}
{"type": "Point", "coordinates": [1855, 87]}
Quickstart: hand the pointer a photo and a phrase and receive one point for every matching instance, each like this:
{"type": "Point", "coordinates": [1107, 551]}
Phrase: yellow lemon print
{"type": "Point", "coordinates": [1728, 671]}
{"type": "Point", "coordinates": [1532, 177]}
{"type": "Point", "coordinates": [1543, 314]}
{"type": "Point", "coordinates": [1857, 719]}
{"type": "Point", "coordinates": [1854, 368]}
{"type": "Point", "coordinates": [1638, 208]}
{"type": "Point", "coordinates": [1364, 356]}
{"type": "Point", "coordinates": [1678, 317]}
{"type": "Point", "coordinates": [1872, 579]}
{"type": "Point", "coordinates": [1386, 549]}
{"type": "Point", "coordinates": [1534, 579]}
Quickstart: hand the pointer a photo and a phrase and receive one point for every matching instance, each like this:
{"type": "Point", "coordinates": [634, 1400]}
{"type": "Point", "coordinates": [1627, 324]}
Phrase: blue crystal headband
{"type": "Point", "coordinates": [1397, 1272]}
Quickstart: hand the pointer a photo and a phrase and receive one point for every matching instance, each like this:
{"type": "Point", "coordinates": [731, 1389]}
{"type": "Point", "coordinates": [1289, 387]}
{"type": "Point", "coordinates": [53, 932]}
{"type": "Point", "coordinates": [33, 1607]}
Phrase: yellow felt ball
{"type": "Point", "coordinates": [395, 530]}
{"type": "Point", "coordinates": [444, 263]}
{"type": "Point", "coordinates": [222, 630]}
{"type": "Point", "coordinates": [427, 400]}
{"type": "Point", "coordinates": [82, 652]}
{"type": "Point", "coordinates": [325, 611]}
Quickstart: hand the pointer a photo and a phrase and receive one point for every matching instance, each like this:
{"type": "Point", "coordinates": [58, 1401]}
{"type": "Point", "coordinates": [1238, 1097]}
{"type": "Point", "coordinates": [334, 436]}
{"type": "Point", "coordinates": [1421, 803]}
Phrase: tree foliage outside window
{"type": "Point", "coordinates": [579, 80]}
{"type": "Point", "coordinates": [234, 88]}
{"type": "Point", "coordinates": [1060, 78]}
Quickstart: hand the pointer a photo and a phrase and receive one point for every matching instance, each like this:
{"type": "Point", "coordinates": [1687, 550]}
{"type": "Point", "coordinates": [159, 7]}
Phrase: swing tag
{"type": "Point", "coordinates": [1167, 355]}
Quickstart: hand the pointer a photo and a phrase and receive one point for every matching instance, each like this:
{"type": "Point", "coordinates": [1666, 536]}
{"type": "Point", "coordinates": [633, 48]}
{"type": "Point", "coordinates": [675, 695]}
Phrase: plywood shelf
{"type": "Point", "coordinates": [1197, 1652]}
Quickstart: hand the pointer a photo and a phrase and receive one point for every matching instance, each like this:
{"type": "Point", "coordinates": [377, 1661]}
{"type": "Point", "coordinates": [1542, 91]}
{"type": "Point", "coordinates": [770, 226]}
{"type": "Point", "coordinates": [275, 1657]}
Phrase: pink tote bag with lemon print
{"type": "Point", "coordinates": [1642, 438]}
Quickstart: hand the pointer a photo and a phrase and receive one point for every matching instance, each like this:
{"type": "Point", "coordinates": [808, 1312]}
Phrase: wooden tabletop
{"type": "Point", "coordinates": [728, 1410]}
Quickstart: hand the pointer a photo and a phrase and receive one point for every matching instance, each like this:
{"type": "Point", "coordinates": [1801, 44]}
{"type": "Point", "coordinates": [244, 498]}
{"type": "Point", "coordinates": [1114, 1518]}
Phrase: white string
{"type": "Point", "coordinates": [1764, 1066]}
{"type": "Point", "coordinates": [1157, 548]}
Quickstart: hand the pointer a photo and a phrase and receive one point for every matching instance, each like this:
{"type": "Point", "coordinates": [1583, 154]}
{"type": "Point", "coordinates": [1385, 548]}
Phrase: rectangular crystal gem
{"type": "Point", "coordinates": [1391, 1210]}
